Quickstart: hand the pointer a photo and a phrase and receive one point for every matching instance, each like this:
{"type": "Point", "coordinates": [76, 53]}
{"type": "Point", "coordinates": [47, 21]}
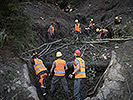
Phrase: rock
{"type": "Point", "coordinates": [1, 71]}
{"type": "Point", "coordinates": [13, 88]}
{"type": "Point", "coordinates": [115, 75]}
{"type": "Point", "coordinates": [113, 85]}
{"type": "Point", "coordinates": [116, 47]}
{"type": "Point", "coordinates": [18, 82]}
{"type": "Point", "coordinates": [9, 90]}
{"type": "Point", "coordinates": [33, 92]}
{"type": "Point", "coordinates": [26, 73]}
{"type": "Point", "coordinates": [94, 98]}
{"type": "Point", "coordinates": [18, 72]}
{"type": "Point", "coordinates": [105, 91]}
{"type": "Point", "coordinates": [88, 98]}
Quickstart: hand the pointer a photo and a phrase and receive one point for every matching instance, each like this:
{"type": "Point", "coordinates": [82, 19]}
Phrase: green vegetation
{"type": "Point", "coordinates": [15, 24]}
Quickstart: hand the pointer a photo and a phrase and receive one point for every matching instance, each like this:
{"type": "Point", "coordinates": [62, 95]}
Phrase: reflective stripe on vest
{"type": "Point", "coordinates": [59, 69]}
{"type": "Point", "coordinates": [39, 66]}
{"type": "Point", "coordinates": [77, 27]}
{"type": "Point", "coordinates": [81, 72]}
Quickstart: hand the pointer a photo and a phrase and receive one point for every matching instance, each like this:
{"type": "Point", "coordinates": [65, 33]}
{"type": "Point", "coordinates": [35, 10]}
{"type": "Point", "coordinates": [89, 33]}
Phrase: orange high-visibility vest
{"type": "Point", "coordinates": [59, 69]}
{"type": "Point", "coordinates": [81, 72]}
{"type": "Point", "coordinates": [77, 27]}
{"type": "Point", "coordinates": [39, 66]}
{"type": "Point", "coordinates": [104, 31]}
{"type": "Point", "coordinates": [91, 24]}
{"type": "Point", "coordinates": [51, 30]}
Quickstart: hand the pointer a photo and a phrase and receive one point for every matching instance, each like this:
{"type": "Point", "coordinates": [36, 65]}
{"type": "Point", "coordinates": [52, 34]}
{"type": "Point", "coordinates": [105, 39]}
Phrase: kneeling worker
{"type": "Point", "coordinates": [103, 33]}
{"type": "Point", "coordinates": [59, 66]}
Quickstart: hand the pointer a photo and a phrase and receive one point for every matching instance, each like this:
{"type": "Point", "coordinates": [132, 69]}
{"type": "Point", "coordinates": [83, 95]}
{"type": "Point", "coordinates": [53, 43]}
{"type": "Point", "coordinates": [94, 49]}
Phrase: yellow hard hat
{"type": "Point", "coordinates": [120, 17]}
{"type": "Point", "coordinates": [91, 19]}
{"type": "Point", "coordinates": [58, 54]}
{"type": "Point", "coordinates": [97, 30]}
{"type": "Point", "coordinates": [116, 17]}
{"type": "Point", "coordinates": [93, 23]}
{"type": "Point", "coordinates": [76, 21]}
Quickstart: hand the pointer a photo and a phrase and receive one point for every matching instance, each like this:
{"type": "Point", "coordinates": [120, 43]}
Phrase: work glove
{"type": "Point", "coordinates": [70, 76]}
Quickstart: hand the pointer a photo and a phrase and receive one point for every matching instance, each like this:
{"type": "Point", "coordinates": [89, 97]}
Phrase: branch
{"type": "Point", "coordinates": [111, 62]}
{"type": "Point", "coordinates": [42, 46]}
{"type": "Point", "coordinates": [46, 50]}
{"type": "Point", "coordinates": [56, 49]}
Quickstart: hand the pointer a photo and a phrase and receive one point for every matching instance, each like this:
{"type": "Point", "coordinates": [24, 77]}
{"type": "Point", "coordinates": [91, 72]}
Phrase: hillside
{"type": "Point", "coordinates": [18, 80]}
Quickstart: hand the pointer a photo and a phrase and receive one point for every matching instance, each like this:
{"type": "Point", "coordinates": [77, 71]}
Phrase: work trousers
{"type": "Point", "coordinates": [105, 35]}
{"type": "Point", "coordinates": [42, 76]}
{"type": "Point", "coordinates": [77, 35]}
{"type": "Point", "coordinates": [55, 80]}
{"type": "Point", "coordinates": [78, 88]}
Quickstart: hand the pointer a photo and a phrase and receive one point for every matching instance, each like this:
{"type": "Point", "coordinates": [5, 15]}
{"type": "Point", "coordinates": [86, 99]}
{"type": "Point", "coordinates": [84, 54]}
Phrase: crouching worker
{"type": "Point", "coordinates": [59, 66]}
{"type": "Point", "coordinates": [103, 33]}
{"type": "Point", "coordinates": [80, 75]}
{"type": "Point", "coordinates": [41, 71]}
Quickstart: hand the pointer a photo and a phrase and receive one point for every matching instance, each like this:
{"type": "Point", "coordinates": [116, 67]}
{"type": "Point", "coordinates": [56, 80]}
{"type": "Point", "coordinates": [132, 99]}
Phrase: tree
{"type": "Point", "coordinates": [15, 21]}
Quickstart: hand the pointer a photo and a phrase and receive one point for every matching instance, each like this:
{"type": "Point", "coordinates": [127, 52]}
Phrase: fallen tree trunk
{"type": "Point", "coordinates": [116, 39]}
{"type": "Point", "coordinates": [98, 41]}
{"type": "Point", "coordinates": [97, 65]}
{"type": "Point", "coordinates": [91, 42]}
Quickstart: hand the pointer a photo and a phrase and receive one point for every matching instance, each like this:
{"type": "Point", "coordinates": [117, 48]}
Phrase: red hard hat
{"type": "Point", "coordinates": [77, 53]}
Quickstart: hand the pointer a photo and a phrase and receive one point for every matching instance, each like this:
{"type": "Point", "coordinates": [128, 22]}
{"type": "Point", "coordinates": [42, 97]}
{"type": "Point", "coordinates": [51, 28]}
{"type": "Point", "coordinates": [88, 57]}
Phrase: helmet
{"type": "Point", "coordinates": [58, 54]}
{"type": "Point", "coordinates": [34, 54]}
{"type": "Point", "coordinates": [77, 53]}
{"type": "Point", "coordinates": [97, 30]}
{"type": "Point", "coordinates": [76, 21]}
{"type": "Point", "coordinates": [116, 17]}
{"type": "Point", "coordinates": [91, 19]}
{"type": "Point", "coordinates": [120, 17]}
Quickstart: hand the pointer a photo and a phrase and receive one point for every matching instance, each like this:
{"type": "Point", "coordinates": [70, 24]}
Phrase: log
{"type": "Point", "coordinates": [95, 42]}
{"type": "Point", "coordinates": [98, 41]}
{"type": "Point", "coordinates": [116, 39]}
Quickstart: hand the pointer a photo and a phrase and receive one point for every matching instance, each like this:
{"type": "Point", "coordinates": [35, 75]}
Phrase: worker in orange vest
{"type": "Point", "coordinates": [118, 19]}
{"type": "Point", "coordinates": [103, 33]}
{"type": "Point", "coordinates": [41, 71]}
{"type": "Point", "coordinates": [80, 75]}
{"type": "Point", "coordinates": [59, 66]}
{"type": "Point", "coordinates": [77, 28]}
{"type": "Point", "coordinates": [51, 29]}
{"type": "Point", "coordinates": [90, 26]}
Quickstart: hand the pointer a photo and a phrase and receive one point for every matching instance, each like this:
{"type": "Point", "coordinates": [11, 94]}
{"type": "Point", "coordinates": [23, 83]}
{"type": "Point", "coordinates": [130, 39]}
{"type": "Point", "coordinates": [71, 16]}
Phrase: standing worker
{"type": "Point", "coordinates": [80, 75]}
{"type": "Point", "coordinates": [77, 29]}
{"type": "Point", "coordinates": [59, 66]}
{"type": "Point", "coordinates": [103, 33]}
{"type": "Point", "coordinates": [51, 30]}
